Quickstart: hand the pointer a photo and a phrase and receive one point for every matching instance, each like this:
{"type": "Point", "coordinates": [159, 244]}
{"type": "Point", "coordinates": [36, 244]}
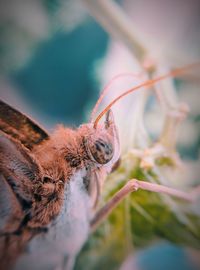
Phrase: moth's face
{"type": "Point", "coordinates": [103, 144]}
{"type": "Point", "coordinates": [102, 149]}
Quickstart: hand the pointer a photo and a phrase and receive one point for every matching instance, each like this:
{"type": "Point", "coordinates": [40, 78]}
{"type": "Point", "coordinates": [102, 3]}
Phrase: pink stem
{"type": "Point", "coordinates": [134, 185]}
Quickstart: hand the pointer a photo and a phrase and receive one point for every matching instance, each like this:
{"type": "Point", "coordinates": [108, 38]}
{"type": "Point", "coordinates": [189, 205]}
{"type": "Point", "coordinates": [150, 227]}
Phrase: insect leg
{"type": "Point", "coordinates": [134, 185]}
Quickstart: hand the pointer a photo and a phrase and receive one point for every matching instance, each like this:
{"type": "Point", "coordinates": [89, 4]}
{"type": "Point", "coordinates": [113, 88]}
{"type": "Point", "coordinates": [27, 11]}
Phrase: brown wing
{"type": "Point", "coordinates": [19, 126]}
{"type": "Point", "coordinates": [18, 171]}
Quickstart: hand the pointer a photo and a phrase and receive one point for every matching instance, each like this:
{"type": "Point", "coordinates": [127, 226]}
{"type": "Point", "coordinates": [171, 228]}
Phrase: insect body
{"type": "Point", "coordinates": [54, 184]}
{"type": "Point", "coordinates": [50, 186]}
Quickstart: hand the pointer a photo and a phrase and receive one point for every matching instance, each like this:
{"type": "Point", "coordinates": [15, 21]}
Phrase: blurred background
{"type": "Point", "coordinates": [55, 59]}
{"type": "Point", "coordinates": [48, 54]}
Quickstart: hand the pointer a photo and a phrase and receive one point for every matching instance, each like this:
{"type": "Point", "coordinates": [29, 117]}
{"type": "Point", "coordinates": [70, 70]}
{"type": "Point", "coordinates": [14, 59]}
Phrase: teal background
{"type": "Point", "coordinates": [59, 81]}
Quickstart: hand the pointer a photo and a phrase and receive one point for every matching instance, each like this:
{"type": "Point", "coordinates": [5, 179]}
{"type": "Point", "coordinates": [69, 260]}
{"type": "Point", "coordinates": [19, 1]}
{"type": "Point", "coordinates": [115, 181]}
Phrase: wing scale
{"type": "Point", "coordinates": [20, 127]}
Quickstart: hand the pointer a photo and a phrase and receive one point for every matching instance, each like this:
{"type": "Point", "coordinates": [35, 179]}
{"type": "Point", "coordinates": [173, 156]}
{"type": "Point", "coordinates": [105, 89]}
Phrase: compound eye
{"type": "Point", "coordinates": [102, 151]}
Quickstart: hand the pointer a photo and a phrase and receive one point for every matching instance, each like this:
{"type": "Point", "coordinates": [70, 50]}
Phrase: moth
{"type": "Point", "coordinates": [50, 186]}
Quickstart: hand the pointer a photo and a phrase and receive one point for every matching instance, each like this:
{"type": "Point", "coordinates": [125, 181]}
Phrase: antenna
{"type": "Point", "coordinates": [107, 89]}
{"type": "Point", "coordinates": [148, 83]}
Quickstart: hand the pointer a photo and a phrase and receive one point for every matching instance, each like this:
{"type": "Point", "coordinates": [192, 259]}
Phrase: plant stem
{"type": "Point", "coordinates": [132, 186]}
{"type": "Point", "coordinates": [117, 23]}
